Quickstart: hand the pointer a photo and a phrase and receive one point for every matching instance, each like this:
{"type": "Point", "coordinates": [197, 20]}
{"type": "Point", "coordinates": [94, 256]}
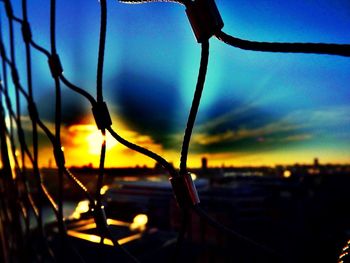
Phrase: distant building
{"type": "Point", "coordinates": [316, 163]}
{"type": "Point", "coordinates": [204, 163]}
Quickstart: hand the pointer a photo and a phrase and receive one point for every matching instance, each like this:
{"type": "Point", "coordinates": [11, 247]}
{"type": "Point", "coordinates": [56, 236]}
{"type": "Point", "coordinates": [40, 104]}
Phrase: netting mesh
{"type": "Point", "coordinates": [18, 205]}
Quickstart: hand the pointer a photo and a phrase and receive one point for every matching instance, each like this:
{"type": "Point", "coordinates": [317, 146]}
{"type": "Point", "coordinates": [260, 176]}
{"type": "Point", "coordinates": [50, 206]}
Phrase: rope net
{"type": "Point", "coordinates": [22, 177]}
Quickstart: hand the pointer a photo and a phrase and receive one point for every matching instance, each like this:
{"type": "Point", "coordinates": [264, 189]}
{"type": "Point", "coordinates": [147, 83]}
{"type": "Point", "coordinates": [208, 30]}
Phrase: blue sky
{"type": "Point", "coordinates": [254, 104]}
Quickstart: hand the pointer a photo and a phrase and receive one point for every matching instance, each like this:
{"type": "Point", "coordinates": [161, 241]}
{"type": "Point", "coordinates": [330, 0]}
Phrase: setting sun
{"type": "Point", "coordinates": [95, 139]}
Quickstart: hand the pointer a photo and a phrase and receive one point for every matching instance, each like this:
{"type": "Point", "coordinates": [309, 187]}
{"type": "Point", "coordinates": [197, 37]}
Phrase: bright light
{"type": "Point", "coordinates": [287, 174]}
{"type": "Point", "coordinates": [193, 176]}
{"type": "Point", "coordinates": [139, 222]}
{"type": "Point", "coordinates": [82, 207]}
{"type": "Point", "coordinates": [97, 239]}
{"type": "Point", "coordinates": [95, 140]}
{"type": "Point", "coordinates": [104, 189]}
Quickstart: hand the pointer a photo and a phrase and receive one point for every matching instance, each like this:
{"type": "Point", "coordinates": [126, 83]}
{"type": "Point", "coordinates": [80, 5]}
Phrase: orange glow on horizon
{"type": "Point", "coordinates": [82, 146]}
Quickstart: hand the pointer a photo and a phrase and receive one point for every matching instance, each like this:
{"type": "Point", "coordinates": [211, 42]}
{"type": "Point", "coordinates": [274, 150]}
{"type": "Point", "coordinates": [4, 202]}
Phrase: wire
{"type": "Point", "coordinates": [39, 48]}
{"type": "Point", "coordinates": [57, 148]}
{"type": "Point", "coordinates": [35, 138]}
{"type": "Point", "coordinates": [101, 50]}
{"type": "Point", "coordinates": [23, 145]}
{"type": "Point", "coordinates": [332, 49]}
{"type": "Point", "coordinates": [78, 90]}
{"type": "Point", "coordinates": [53, 26]}
{"type": "Point", "coordinates": [99, 84]}
{"type": "Point", "coordinates": [144, 151]}
{"type": "Point", "coordinates": [195, 105]}
{"type": "Point", "coordinates": [313, 48]}
{"type": "Point", "coordinates": [181, 235]}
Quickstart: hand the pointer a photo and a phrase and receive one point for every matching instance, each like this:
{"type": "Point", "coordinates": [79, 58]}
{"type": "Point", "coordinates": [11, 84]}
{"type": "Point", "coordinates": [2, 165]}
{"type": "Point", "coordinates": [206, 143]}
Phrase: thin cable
{"type": "Point", "coordinates": [101, 169]}
{"type": "Point", "coordinates": [50, 135]}
{"type": "Point", "coordinates": [20, 133]}
{"type": "Point", "coordinates": [35, 138]}
{"type": "Point", "coordinates": [101, 50]}
{"type": "Point", "coordinates": [58, 116]}
{"type": "Point", "coordinates": [78, 90]}
{"type": "Point", "coordinates": [312, 48]}
{"type": "Point", "coordinates": [181, 235]}
{"type": "Point", "coordinates": [40, 49]}
{"type": "Point", "coordinates": [195, 105]}
{"type": "Point", "coordinates": [53, 26]}
{"type": "Point", "coordinates": [99, 91]}
{"type": "Point", "coordinates": [80, 185]}
{"type": "Point", "coordinates": [99, 96]}
{"type": "Point", "coordinates": [52, 138]}
{"type": "Point", "coordinates": [144, 151]}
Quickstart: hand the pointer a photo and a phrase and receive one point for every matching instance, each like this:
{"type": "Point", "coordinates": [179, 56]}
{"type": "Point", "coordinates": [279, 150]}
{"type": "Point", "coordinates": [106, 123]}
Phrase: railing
{"type": "Point", "coordinates": [17, 202]}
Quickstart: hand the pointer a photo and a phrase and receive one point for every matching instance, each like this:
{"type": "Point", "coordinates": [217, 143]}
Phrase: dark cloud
{"type": "Point", "coordinates": [248, 128]}
{"type": "Point", "coordinates": [232, 114]}
{"type": "Point", "coordinates": [74, 107]}
{"type": "Point", "coordinates": [147, 105]}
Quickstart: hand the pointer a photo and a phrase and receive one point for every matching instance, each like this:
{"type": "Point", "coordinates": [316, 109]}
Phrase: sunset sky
{"type": "Point", "coordinates": [257, 108]}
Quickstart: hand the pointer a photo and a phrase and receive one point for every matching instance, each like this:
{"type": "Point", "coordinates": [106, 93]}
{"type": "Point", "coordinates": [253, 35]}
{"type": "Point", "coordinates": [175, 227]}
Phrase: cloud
{"type": "Point", "coordinates": [298, 137]}
{"type": "Point", "coordinates": [147, 104]}
{"type": "Point", "coordinates": [291, 129]}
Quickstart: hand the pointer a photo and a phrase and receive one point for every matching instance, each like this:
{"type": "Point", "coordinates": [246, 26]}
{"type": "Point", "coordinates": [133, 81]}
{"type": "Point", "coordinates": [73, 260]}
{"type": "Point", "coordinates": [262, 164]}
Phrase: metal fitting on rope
{"type": "Point", "coordinates": [55, 65]}
{"type": "Point", "coordinates": [15, 76]}
{"type": "Point", "coordinates": [101, 114]}
{"type": "Point", "coordinates": [32, 110]}
{"type": "Point", "coordinates": [204, 18]}
{"type": "Point", "coordinates": [184, 190]}
{"type": "Point", "coordinates": [59, 156]}
{"type": "Point", "coordinates": [26, 32]}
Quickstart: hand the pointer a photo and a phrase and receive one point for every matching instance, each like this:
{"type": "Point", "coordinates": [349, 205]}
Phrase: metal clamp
{"type": "Point", "coordinates": [59, 156]}
{"type": "Point", "coordinates": [101, 114]}
{"type": "Point", "coordinates": [204, 18]}
{"type": "Point", "coordinates": [55, 65]}
{"type": "Point", "coordinates": [184, 190]}
{"type": "Point", "coordinates": [26, 32]}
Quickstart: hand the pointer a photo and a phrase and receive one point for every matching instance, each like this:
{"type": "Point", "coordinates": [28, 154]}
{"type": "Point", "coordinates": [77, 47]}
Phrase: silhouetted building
{"type": "Point", "coordinates": [316, 163]}
{"type": "Point", "coordinates": [204, 163]}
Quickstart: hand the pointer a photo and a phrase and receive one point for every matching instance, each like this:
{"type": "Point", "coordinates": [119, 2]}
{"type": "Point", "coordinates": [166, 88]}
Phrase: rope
{"type": "Point", "coordinates": [26, 200]}
{"type": "Point", "coordinates": [311, 48]}
{"type": "Point", "coordinates": [195, 105]}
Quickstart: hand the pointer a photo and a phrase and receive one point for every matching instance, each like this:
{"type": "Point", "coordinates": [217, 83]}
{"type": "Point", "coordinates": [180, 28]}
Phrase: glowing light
{"type": "Point", "coordinates": [115, 222]}
{"type": "Point", "coordinates": [97, 239]}
{"type": "Point", "coordinates": [16, 153]}
{"type": "Point", "coordinates": [343, 255]}
{"type": "Point", "coordinates": [95, 140]}
{"type": "Point", "coordinates": [287, 174]}
{"type": "Point", "coordinates": [104, 189]}
{"type": "Point", "coordinates": [82, 207]}
{"type": "Point", "coordinates": [193, 176]}
{"type": "Point", "coordinates": [62, 149]}
{"type": "Point", "coordinates": [139, 222]}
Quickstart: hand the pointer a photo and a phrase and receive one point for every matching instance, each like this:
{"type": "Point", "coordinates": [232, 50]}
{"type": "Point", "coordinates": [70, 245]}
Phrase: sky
{"type": "Point", "coordinates": [256, 109]}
